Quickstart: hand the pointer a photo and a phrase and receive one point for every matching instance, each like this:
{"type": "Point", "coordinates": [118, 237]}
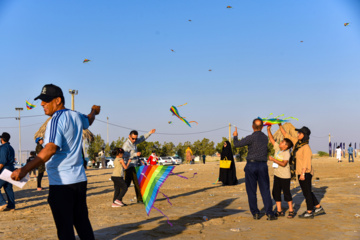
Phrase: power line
{"type": "Point", "coordinates": [25, 125]}
{"type": "Point", "coordinates": [23, 116]}
{"type": "Point", "coordinates": [162, 133]}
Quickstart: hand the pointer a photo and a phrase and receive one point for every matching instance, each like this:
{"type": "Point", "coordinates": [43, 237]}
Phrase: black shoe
{"type": "Point", "coordinates": [271, 217]}
{"type": "Point", "coordinates": [319, 211]}
{"type": "Point", "coordinates": [280, 214]}
{"type": "Point", "coordinates": [256, 216]}
{"type": "Point", "coordinates": [306, 214]}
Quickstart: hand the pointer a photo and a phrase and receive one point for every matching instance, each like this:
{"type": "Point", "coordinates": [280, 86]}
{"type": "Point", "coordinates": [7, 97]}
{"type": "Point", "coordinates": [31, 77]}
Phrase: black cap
{"type": "Point", "coordinates": [304, 130]}
{"type": "Point", "coordinates": [49, 92]}
{"type": "Point", "coordinates": [5, 136]}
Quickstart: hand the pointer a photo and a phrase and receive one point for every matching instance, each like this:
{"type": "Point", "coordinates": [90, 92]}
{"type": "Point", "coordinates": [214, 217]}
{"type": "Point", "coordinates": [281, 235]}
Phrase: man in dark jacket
{"type": "Point", "coordinates": [7, 159]}
{"type": "Point", "coordinates": [256, 169]}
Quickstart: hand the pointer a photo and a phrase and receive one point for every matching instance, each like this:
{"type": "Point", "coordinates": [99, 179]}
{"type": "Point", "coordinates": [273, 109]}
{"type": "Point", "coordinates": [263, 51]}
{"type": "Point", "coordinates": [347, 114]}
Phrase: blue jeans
{"type": "Point", "coordinates": [9, 193]}
{"type": "Point", "coordinates": [352, 156]}
{"type": "Point", "coordinates": [257, 173]}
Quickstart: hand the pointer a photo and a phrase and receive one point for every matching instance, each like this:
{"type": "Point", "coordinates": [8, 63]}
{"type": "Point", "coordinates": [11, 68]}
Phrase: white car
{"type": "Point", "coordinates": [109, 164]}
{"type": "Point", "coordinates": [176, 160]}
{"type": "Point", "coordinates": [165, 161]}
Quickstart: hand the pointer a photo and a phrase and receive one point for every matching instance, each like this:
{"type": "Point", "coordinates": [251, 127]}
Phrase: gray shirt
{"type": "Point", "coordinates": [130, 149]}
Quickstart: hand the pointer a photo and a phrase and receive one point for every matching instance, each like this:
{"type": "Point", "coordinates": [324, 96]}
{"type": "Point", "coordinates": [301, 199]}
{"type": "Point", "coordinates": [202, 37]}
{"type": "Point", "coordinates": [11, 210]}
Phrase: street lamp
{"type": "Point", "coordinates": [73, 93]}
{"type": "Point", "coordinates": [19, 155]}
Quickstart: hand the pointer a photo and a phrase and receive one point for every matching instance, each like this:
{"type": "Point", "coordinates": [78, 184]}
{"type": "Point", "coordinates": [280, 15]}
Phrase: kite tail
{"type": "Point", "coordinates": [166, 198]}
{"type": "Point", "coordinates": [163, 215]}
{"type": "Point", "coordinates": [216, 181]}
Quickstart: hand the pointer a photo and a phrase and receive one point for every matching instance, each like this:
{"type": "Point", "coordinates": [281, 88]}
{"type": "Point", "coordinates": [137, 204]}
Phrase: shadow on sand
{"type": "Point", "coordinates": [164, 230]}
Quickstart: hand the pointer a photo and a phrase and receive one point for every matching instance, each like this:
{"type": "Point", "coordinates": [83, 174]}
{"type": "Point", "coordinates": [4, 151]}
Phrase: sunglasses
{"type": "Point", "coordinates": [133, 138]}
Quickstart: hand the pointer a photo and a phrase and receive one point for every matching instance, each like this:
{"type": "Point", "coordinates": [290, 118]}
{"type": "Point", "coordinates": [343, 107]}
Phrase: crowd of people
{"type": "Point", "coordinates": [63, 155]}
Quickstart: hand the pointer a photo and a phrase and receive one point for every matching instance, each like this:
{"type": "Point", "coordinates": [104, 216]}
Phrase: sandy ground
{"type": "Point", "coordinates": [225, 207]}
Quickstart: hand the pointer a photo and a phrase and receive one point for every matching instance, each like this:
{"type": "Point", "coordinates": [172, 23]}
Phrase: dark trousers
{"type": "Point", "coordinates": [120, 188]}
{"type": "Point", "coordinates": [9, 194]}
{"type": "Point", "coordinates": [281, 184]}
{"type": "Point", "coordinates": [352, 156]}
{"type": "Point", "coordinates": [39, 178]}
{"type": "Point", "coordinates": [130, 175]}
{"type": "Point", "coordinates": [310, 198]}
{"type": "Point", "coordinates": [257, 173]}
{"type": "Point", "coordinates": [69, 209]}
{"type": "Point", "coordinates": [204, 161]}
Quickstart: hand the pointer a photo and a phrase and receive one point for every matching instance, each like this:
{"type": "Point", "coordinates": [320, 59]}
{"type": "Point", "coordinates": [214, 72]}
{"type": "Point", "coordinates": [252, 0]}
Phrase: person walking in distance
{"type": "Point", "coordinates": [41, 169]}
{"type": "Point", "coordinates": [7, 159]}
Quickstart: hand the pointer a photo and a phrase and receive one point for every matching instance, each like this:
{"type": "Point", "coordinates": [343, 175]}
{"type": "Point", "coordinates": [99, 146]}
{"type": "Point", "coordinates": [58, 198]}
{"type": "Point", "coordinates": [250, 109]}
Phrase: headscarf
{"type": "Point", "coordinates": [227, 152]}
{"type": "Point", "coordinates": [298, 145]}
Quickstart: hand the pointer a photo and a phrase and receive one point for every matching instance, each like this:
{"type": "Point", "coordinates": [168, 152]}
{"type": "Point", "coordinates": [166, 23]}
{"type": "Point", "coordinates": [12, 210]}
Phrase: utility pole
{"type": "Point", "coordinates": [73, 93]}
{"type": "Point", "coordinates": [230, 132]}
{"type": "Point", "coordinates": [107, 131]}
{"type": "Point", "coordinates": [19, 155]}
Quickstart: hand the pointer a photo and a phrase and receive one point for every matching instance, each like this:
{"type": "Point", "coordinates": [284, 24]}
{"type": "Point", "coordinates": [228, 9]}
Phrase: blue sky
{"type": "Point", "coordinates": [259, 66]}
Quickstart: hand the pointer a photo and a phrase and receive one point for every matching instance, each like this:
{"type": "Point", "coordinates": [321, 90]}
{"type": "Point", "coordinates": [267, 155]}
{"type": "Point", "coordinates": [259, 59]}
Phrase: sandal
{"type": "Point", "coordinates": [291, 214]}
{"type": "Point", "coordinates": [280, 214]}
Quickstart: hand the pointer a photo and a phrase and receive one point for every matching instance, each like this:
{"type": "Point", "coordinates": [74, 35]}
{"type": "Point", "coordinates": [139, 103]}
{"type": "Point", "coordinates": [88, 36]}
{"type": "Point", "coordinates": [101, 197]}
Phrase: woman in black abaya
{"type": "Point", "coordinates": [228, 175]}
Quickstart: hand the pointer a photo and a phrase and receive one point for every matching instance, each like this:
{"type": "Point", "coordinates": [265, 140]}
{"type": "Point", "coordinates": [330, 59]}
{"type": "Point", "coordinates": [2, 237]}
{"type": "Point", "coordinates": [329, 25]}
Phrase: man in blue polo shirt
{"type": "Point", "coordinates": [7, 158]}
{"type": "Point", "coordinates": [64, 164]}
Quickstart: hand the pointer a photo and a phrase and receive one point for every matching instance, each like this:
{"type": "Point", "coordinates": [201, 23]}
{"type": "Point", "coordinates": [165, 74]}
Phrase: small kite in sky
{"type": "Point", "coordinates": [182, 105]}
{"type": "Point", "coordinates": [301, 41]}
{"type": "Point", "coordinates": [172, 50]}
{"type": "Point", "coordinates": [275, 120]}
{"type": "Point", "coordinates": [194, 122]}
{"type": "Point", "coordinates": [189, 20]}
{"type": "Point", "coordinates": [210, 70]}
{"type": "Point", "coordinates": [29, 106]}
{"type": "Point", "coordinates": [345, 24]}
{"type": "Point", "coordinates": [174, 111]}
{"type": "Point", "coordinates": [169, 122]}
{"type": "Point", "coordinates": [229, 7]}
{"type": "Point", "coordinates": [86, 60]}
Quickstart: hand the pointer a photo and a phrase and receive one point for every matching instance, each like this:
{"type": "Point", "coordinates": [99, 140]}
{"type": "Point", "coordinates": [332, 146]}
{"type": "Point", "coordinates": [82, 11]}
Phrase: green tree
{"type": "Point", "coordinates": [168, 149]}
{"type": "Point", "coordinates": [241, 152]}
{"type": "Point", "coordinates": [116, 144]}
{"type": "Point", "coordinates": [203, 147]}
{"type": "Point", "coordinates": [181, 148]}
{"type": "Point", "coordinates": [95, 147]}
{"type": "Point", "coordinates": [146, 148]}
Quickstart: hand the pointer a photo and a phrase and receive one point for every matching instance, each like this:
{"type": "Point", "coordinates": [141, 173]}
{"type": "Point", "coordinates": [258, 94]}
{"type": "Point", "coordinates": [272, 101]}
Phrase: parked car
{"type": "Point", "coordinates": [176, 160]}
{"type": "Point", "coordinates": [165, 161]}
{"type": "Point", "coordinates": [109, 162]}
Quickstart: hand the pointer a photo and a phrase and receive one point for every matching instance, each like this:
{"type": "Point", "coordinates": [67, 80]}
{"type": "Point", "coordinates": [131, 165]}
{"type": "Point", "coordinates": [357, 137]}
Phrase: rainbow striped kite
{"type": "Point", "coordinates": [275, 120]}
{"type": "Point", "coordinates": [29, 106]}
{"type": "Point", "coordinates": [174, 110]}
{"type": "Point", "coordinates": [150, 179]}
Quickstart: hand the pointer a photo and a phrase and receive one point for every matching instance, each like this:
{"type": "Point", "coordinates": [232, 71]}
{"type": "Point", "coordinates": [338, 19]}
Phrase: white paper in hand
{"type": "Point", "coordinates": [275, 165]}
{"type": "Point", "coordinates": [6, 176]}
